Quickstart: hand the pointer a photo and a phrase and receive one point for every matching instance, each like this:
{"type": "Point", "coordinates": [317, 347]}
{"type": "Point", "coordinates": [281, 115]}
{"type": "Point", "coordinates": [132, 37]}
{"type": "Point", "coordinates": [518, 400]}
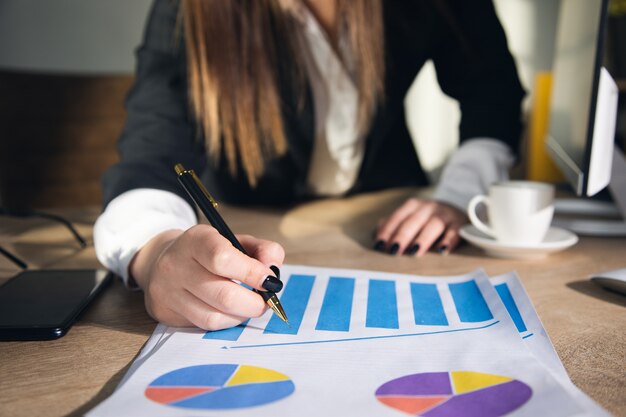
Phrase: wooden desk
{"type": "Point", "coordinates": [71, 375]}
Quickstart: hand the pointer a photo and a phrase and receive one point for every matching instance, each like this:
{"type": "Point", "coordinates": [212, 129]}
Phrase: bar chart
{"type": "Point", "coordinates": [329, 308]}
{"type": "Point", "coordinates": [506, 296]}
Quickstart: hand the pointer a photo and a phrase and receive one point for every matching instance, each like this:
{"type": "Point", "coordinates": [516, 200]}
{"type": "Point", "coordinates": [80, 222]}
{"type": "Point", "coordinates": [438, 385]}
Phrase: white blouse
{"type": "Point", "coordinates": [338, 147]}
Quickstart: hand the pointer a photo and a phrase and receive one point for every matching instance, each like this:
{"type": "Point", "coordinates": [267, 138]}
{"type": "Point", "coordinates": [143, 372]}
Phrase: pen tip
{"type": "Point", "coordinates": [275, 305]}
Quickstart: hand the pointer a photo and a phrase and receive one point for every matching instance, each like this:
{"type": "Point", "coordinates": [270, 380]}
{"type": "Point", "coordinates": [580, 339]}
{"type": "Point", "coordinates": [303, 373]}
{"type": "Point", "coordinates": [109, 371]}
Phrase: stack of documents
{"type": "Point", "coordinates": [361, 343]}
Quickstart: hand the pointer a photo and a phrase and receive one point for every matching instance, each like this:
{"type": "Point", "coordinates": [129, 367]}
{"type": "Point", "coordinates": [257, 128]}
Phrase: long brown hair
{"type": "Point", "coordinates": [232, 61]}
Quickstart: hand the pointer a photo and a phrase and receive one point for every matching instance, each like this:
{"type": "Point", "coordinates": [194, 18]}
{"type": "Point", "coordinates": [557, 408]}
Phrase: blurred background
{"type": "Point", "coordinates": [66, 66]}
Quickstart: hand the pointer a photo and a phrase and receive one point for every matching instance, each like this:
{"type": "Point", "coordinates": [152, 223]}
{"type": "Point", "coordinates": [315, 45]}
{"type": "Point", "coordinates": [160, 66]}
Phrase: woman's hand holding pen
{"type": "Point", "coordinates": [417, 225]}
{"type": "Point", "coordinates": [187, 277]}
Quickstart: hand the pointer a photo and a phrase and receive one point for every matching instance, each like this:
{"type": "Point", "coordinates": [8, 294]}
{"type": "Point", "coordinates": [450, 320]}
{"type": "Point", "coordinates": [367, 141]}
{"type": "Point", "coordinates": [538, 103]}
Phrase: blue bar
{"type": "Point", "coordinates": [382, 306]}
{"type": "Point", "coordinates": [427, 307]}
{"type": "Point", "coordinates": [337, 305]}
{"type": "Point", "coordinates": [294, 299]}
{"type": "Point", "coordinates": [511, 307]}
{"type": "Point", "coordinates": [469, 302]}
{"type": "Point", "coordinates": [231, 334]}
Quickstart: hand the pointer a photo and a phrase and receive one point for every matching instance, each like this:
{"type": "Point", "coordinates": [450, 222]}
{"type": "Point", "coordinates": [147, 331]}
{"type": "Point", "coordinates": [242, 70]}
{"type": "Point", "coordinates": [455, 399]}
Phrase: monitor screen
{"type": "Point", "coordinates": [576, 75]}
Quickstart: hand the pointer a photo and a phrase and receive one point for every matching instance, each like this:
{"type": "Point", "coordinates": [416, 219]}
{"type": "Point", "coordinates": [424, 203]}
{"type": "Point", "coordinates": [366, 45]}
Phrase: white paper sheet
{"type": "Point", "coordinates": [360, 343]}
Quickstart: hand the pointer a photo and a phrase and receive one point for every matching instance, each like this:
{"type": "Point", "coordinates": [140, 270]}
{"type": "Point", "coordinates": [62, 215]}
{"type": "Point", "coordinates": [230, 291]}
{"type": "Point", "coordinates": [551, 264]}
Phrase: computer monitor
{"type": "Point", "coordinates": [583, 113]}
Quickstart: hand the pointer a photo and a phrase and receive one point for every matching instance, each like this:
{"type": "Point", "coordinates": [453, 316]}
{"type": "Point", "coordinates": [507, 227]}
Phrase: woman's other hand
{"type": "Point", "coordinates": [187, 277]}
{"type": "Point", "coordinates": [419, 225]}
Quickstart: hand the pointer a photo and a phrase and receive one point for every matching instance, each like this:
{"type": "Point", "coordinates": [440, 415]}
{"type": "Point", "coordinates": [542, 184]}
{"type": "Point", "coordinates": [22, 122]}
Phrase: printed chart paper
{"type": "Point", "coordinates": [359, 343]}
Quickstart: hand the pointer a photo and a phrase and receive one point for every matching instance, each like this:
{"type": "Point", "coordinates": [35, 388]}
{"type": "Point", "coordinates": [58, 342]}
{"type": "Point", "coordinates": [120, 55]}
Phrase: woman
{"type": "Point", "coordinates": [279, 101]}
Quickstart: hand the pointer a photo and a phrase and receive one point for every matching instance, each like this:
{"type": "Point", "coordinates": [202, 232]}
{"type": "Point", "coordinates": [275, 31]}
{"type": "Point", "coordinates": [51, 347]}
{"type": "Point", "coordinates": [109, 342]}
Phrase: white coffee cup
{"type": "Point", "coordinates": [519, 212]}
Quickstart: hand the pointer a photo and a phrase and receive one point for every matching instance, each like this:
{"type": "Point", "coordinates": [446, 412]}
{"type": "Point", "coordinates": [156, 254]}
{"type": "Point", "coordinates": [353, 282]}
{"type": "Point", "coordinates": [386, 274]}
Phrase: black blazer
{"type": "Point", "coordinates": [464, 39]}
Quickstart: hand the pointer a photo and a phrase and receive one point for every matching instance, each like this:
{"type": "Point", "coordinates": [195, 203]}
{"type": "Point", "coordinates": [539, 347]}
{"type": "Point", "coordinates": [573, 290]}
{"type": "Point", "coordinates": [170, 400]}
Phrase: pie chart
{"type": "Point", "coordinates": [219, 387]}
{"type": "Point", "coordinates": [456, 393]}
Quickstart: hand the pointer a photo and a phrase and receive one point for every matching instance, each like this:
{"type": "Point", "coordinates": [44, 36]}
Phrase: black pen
{"type": "Point", "coordinates": [199, 194]}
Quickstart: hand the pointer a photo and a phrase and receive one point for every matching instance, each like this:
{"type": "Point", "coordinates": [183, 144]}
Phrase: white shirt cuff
{"type": "Point", "coordinates": [132, 219]}
{"type": "Point", "coordinates": [471, 169]}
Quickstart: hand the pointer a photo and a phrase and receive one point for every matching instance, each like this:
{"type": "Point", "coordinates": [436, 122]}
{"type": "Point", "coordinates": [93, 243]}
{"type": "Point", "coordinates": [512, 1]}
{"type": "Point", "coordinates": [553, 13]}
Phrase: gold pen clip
{"type": "Point", "coordinates": [180, 170]}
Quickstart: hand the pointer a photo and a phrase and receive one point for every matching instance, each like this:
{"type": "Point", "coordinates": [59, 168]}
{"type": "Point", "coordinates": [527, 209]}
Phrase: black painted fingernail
{"type": "Point", "coordinates": [394, 249]}
{"type": "Point", "coordinates": [412, 250]}
{"type": "Point", "coordinates": [379, 245]}
{"type": "Point", "coordinates": [275, 270]}
{"type": "Point", "coordinates": [272, 284]}
{"type": "Point", "coordinates": [442, 249]}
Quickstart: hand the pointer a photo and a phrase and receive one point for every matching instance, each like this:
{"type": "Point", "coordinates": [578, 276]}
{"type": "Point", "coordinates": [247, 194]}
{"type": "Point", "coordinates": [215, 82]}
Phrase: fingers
{"type": "Point", "coordinates": [226, 296]}
{"type": "Point", "coordinates": [218, 256]}
{"type": "Point", "coordinates": [187, 310]}
{"type": "Point", "coordinates": [406, 231]}
{"type": "Point", "coordinates": [429, 234]}
{"type": "Point", "coordinates": [387, 227]}
{"type": "Point", "coordinates": [419, 225]}
{"type": "Point", "coordinates": [450, 239]}
{"type": "Point", "coordinates": [190, 279]}
{"type": "Point", "coordinates": [202, 299]}
{"type": "Point", "coordinates": [267, 252]}
{"type": "Point", "coordinates": [209, 317]}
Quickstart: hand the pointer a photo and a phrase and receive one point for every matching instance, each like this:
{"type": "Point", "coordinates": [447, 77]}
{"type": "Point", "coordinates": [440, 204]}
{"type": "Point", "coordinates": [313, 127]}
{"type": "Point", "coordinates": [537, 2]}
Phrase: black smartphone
{"type": "Point", "coordinates": [43, 304]}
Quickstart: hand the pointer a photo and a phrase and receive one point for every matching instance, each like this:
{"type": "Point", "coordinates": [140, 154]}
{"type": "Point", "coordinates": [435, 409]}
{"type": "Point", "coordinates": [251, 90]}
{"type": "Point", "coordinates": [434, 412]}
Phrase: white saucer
{"type": "Point", "coordinates": [556, 240]}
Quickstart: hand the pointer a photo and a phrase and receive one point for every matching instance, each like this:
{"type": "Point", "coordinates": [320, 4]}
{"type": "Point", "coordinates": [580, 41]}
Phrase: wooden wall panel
{"type": "Point", "coordinates": [57, 136]}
